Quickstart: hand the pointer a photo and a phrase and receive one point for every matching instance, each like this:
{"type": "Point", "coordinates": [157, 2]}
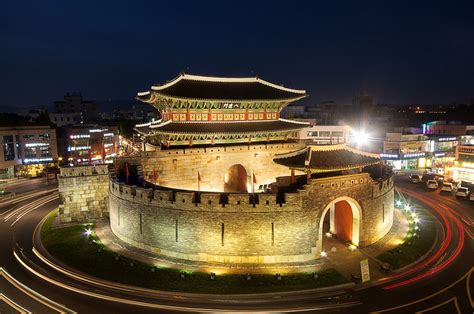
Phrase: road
{"type": "Point", "coordinates": [443, 282]}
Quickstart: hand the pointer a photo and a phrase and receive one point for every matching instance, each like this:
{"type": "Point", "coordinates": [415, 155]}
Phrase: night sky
{"type": "Point", "coordinates": [399, 52]}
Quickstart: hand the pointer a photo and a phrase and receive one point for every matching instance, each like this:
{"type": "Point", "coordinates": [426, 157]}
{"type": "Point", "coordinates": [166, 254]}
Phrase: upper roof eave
{"type": "Point", "coordinates": [146, 97]}
{"type": "Point", "coordinates": [159, 90]}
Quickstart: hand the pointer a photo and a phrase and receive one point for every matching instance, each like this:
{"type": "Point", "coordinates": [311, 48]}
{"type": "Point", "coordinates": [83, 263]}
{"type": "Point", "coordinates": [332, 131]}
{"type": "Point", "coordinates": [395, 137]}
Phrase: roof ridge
{"type": "Point", "coordinates": [253, 79]}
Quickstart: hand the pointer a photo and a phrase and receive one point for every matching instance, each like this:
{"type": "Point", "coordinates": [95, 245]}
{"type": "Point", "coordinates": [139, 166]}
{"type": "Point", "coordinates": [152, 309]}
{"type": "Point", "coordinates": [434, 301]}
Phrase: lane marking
{"type": "Point", "coordinates": [430, 296]}
{"type": "Point", "coordinates": [455, 299]}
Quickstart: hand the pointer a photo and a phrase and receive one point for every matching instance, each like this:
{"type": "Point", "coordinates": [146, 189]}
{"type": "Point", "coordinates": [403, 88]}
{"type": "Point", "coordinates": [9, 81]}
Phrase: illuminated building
{"type": "Point", "coordinates": [27, 150]}
{"type": "Point", "coordinates": [220, 181]}
{"type": "Point", "coordinates": [91, 144]}
{"type": "Point", "coordinates": [406, 151]}
{"type": "Point", "coordinates": [324, 134]}
{"type": "Point", "coordinates": [447, 128]}
{"type": "Point", "coordinates": [463, 169]}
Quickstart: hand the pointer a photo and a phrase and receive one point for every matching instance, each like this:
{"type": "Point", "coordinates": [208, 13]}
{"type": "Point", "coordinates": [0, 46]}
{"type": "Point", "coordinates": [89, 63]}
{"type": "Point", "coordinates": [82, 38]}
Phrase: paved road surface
{"type": "Point", "coordinates": [445, 290]}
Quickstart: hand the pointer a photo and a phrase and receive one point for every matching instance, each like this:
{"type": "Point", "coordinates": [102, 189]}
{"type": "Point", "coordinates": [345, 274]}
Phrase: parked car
{"type": "Point", "coordinates": [414, 178]}
{"type": "Point", "coordinates": [471, 197]}
{"type": "Point", "coordinates": [447, 187]}
{"type": "Point", "coordinates": [432, 184]}
{"type": "Point", "coordinates": [462, 192]}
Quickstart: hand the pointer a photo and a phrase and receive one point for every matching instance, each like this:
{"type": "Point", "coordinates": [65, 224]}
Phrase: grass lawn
{"type": "Point", "coordinates": [416, 244]}
{"type": "Point", "coordinates": [76, 249]}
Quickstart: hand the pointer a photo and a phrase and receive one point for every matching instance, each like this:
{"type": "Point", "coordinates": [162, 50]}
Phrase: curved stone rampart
{"type": "Point", "coordinates": [233, 228]}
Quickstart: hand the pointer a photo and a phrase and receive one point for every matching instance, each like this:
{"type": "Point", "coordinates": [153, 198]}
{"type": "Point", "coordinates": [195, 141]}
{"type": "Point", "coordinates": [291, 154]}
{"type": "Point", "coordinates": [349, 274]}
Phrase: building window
{"type": "Point", "coordinates": [45, 151]}
{"type": "Point", "coordinates": [29, 137]}
{"type": "Point", "coordinates": [8, 148]}
{"type": "Point", "coordinates": [44, 136]}
{"type": "Point", "coordinates": [30, 152]}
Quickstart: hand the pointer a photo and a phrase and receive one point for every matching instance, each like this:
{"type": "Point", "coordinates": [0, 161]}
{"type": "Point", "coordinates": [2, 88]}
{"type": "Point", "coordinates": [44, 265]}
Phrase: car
{"type": "Point", "coordinates": [462, 192]}
{"type": "Point", "coordinates": [432, 184]}
{"type": "Point", "coordinates": [471, 197]}
{"type": "Point", "coordinates": [414, 178]}
{"type": "Point", "coordinates": [447, 187]}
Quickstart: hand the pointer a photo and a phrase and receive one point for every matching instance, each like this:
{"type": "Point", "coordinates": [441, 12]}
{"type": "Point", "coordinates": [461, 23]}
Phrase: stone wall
{"type": "Point", "coordinates": [83, 193]}
{"type": "Point", "coordinates": [178, 168]}
{"type": "Point", "coordinates": [234, 230]}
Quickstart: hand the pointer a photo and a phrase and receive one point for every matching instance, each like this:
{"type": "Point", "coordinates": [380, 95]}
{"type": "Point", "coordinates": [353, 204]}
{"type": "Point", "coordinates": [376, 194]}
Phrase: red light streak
{"type": "Point", "coordinates": [447, 240]}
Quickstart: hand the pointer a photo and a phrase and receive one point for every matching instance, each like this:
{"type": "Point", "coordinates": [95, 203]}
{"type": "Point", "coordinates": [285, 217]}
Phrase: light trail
{"type": "Point", "coordinates": [449, 260]}
{"type": "Point", "coordinates": [33, 294]}
{"type": "Point", "coordinates": [45, 201]}
{"type": "Point", "coordinates": [28, 206]}
{"type": "Point", "coordinates": [162, 306]}
{"type": "Point", "coordinates": [441, 250]}
{"type": "Point", "coordinates": [22, 197]}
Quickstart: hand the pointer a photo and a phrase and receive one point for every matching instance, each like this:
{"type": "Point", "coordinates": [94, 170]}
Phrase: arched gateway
{"type": "Point", "coordinates": [235, 179]}
{"type": "Point", "coordinates": [345, 215]}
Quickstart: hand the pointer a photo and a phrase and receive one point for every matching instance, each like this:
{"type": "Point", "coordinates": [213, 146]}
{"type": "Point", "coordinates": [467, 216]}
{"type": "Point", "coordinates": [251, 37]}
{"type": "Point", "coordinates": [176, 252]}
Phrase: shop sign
{"type": "Point", "coordinates": [389, 156]}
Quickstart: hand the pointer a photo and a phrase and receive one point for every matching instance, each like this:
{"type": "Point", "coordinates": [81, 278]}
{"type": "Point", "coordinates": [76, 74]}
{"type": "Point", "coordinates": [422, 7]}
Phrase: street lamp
{"type": "Point", "coordinates": [360, 137]}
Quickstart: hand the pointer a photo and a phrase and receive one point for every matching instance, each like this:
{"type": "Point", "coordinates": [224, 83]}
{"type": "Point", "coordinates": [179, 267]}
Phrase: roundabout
{"type": "Point", "coordinates": [412, 285]}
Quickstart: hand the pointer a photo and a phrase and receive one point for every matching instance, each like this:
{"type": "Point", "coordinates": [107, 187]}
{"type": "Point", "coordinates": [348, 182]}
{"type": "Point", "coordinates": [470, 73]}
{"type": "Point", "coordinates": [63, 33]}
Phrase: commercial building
{"type": "Point", "coordinates": [91, 144]}
{"type": "Point", "coordinates": [27, 150]}
{"type": "Point", "coordinates": [463, 169]}
{"type": "Point", "coordinates": [451, 128]}
{"type": "Point", "coordinates": [406, 151]}
{"type": "Point", "coordinates": [323, 134]}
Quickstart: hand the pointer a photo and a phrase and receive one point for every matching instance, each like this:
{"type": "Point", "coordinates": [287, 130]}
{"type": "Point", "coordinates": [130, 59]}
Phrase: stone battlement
{"type": "Point", "coordinates": [181, 200]}
{"type": "Point", "coordinates": [188, 201]}
{"type": "Point", "coordinates": [83, 193]}
{"type": "Point", "coordinates": [80, 171]}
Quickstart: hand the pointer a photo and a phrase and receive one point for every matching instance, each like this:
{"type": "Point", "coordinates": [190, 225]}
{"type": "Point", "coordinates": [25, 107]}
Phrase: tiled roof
{"type": "Point", "coordinates": [322, 160]}
{"type": "Point", "coordinates": [221, 127]}
{"type": "Point", "coordinates": [215, 88]}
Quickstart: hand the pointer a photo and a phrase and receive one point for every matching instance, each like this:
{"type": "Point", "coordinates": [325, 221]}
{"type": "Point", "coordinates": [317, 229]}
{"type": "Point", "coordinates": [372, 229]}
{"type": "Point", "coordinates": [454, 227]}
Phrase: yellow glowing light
{"type": "Point", "coordinates": [422, 162]}
{"type": "Point", "coordinates": [352, 247]}
{"type": "Point", "coordinates": [324, 254]}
